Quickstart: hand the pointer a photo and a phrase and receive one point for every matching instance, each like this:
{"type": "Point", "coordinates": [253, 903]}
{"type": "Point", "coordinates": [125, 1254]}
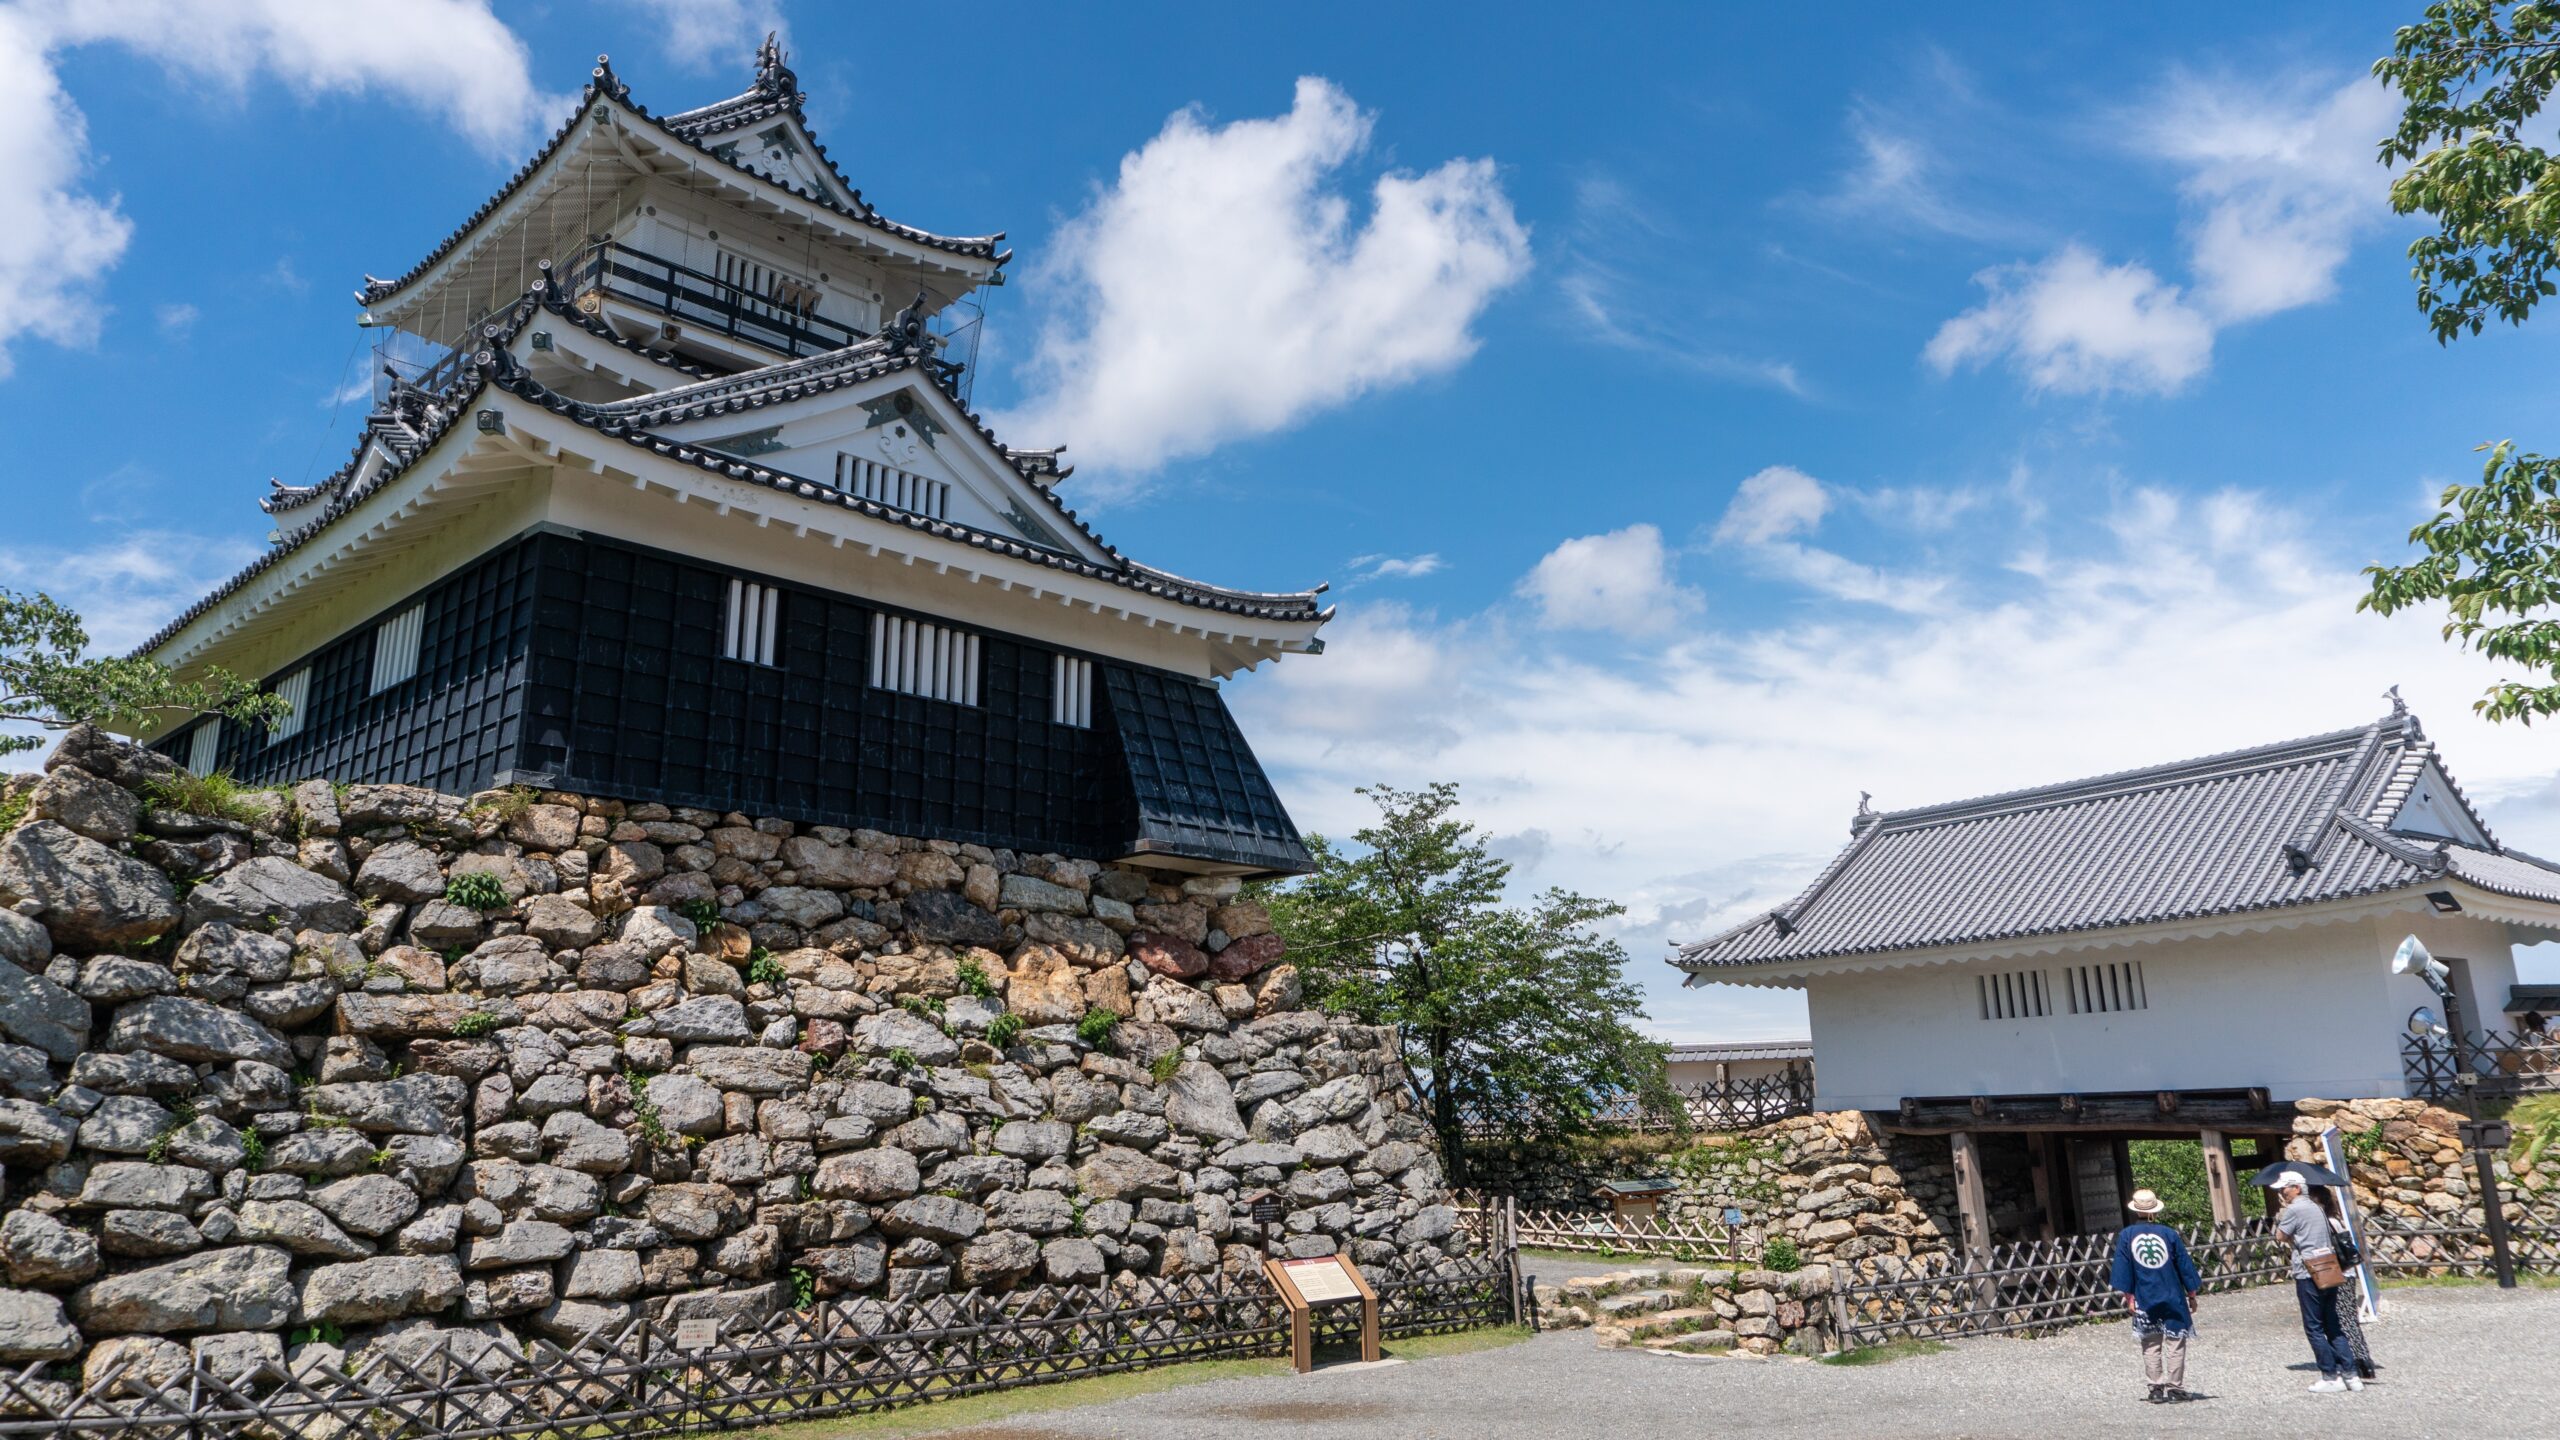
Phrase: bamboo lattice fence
{"type": "Point", "coordinates": [2509, 1062]}
{"type": "Point", "coordinates": [633, 1381]}
{"type": "Point", "coordinates": [1602, 1232]}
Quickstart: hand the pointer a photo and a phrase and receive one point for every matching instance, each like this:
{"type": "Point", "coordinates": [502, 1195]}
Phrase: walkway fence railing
{"type": "Point", "coordinates": [651, 1378]}
{"type": "Point", "coordinates": [2037, 1287]}
{"type": "Point", "coordinates": [2509, 1062]}
{"type": "Point", "coordinates": [1601, 1232]}
{"type": "Point", "coordinates": [1723, 1105]}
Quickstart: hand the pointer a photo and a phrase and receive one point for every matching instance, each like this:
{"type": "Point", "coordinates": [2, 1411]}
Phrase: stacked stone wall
{"type": "Point", "coordinates": [2408, 1164]}
{"type": "Point", "coordinates": [369, 1066]}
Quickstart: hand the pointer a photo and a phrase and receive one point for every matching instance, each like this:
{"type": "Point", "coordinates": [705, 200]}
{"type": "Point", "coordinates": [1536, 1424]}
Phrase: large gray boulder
{"type": "Point", "coordinates": [938, 1218]}
{"type": "Point", "coordinates": [35, 1011]}
{"type": "Point", "coordinates": [1198, 1101]}
{"type": "Point", "coordinates": [246, 1287]}
{"type": "Point", "coordinates": [704, 1017]}
{"type": "Point", "coordinates": [686, 1104]}
{"type": "Point", "coordinates": [23, 941]}
{"type": "Point", "coordinates": [129, 765]}
{"type": "Point", "coordinates": [387, 1287]}
{"type": "Point", "coordinates": [899, 1030]}
{"type": "Point", "coordinates": [274, 890]}
{"type": "Point", "coordinates": [36, 1249]}
{"type": "Point", "coordinates": [410, 1105]}
{"type": "Point", "coordinates": [403, 870]}
{"type": "Point", "coordinates": [367, 1204]}
{"type": "Point", "coordinates": [947, 917]}
{"type": "Point", "coordinates": [1071, 1262]}
{"type": "Point", "coordinates": [756, 1071]}
{"type": "Point", "coordinates": [185, 1029]}
{"type": "Point", "coordinates": [33, 1134]}
{"type": "Point", "coordinates": [1115, 1173]}
{"type": "Point", "coordinates": [298, 1227]}
{"type": "Point", "coordinates": [141, 1185]}
{"type": "Point", "coordinates": [874, 1176]}
{"type": "Point", "coordinates": [88, 896]}
{"type": "Point", "coordinates": [99, 809]}
{"type": "Point", "coordinates": [32, 1327]}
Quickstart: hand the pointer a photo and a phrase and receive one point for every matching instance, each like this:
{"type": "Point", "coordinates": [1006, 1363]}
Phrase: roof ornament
{"type": "Point", "coordinates": [1867, 814]}
{"type": "Point", "coordinates": [907, 334]}
{"type": "Point", "coordinates": [2399, 707]}
{"type": "Point", "coordinates": [772, 76]}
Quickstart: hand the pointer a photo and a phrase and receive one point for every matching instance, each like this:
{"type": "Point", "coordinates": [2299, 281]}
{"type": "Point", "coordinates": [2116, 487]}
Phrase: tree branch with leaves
{"type": "Point", "coordinates": [2475, 78]}
{"type": "Point", "coordinates": [48, 679]}
{"type": "Point", "coordinates": [1514, 1018]}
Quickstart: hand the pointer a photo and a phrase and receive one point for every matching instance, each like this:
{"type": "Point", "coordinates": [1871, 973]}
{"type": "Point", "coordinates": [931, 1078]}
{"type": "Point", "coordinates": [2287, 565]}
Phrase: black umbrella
{"type": "Point", "coordinates": [2316, 1174]}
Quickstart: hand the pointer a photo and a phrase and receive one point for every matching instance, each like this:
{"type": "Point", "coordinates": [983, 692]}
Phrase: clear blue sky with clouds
{"type": "Point", "coordinates": [1702, 418]}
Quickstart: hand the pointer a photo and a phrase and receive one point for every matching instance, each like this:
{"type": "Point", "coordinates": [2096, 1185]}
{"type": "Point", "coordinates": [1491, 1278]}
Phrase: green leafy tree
{"type": "Point", "coordinates": [1512, 1017]}
{"type": "Point", "coordinates": [47, 678]}
{"type": "Point", "coordinates": [2474, 77]}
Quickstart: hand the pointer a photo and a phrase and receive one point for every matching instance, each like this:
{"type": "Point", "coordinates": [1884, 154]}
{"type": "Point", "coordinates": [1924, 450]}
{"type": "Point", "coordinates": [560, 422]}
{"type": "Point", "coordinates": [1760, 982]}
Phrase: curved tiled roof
{"type": "Point", "coordinates": [604, 86]}
{"type": "Point", "coordinates": [2290, 824]}
{"type": "Point", "coordinates": [628, 420]}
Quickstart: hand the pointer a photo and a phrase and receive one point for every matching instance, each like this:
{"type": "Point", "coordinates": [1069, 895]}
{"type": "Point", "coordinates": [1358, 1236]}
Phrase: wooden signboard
{"type": "Point", "coordinates": [1326, 1280]}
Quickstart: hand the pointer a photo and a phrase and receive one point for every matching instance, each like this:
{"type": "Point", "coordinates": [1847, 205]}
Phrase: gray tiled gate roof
{"type": "Point", "coordinates": [2290, 824]}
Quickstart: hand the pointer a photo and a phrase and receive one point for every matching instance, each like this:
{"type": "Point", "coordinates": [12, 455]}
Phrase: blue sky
{"type": "Point", "coordinates": [1701, 418]}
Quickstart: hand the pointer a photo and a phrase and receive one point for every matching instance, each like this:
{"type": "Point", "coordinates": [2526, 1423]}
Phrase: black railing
{"type": "Point", "coordinates": [2508, 1062]}
{"type": "Point", "coordinates": [703, 302]}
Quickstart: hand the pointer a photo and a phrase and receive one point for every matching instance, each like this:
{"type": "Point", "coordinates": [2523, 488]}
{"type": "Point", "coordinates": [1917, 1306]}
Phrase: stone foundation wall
{"type": "Point", "coordinates": [378, 1066]}
{"type": "Point", "coordinates": [1828, 1182]}
{"type": "Point", "coordinates": [2406, 1160]}
{"type": "Point", "coordinates": [1697, 1310]}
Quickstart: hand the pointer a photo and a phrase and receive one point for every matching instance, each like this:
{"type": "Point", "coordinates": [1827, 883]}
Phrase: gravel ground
{"type": "Point", "coordinates": [2456, 1361]}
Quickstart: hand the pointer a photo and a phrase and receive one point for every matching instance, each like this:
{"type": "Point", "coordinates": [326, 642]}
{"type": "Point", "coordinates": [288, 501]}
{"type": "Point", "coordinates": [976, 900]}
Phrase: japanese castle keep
{"type": "Point", "coordinates": [686, 503]}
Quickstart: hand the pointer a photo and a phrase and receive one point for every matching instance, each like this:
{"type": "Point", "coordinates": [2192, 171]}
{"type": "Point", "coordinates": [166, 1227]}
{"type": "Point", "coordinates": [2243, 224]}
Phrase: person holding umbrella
{"type": "Point", "coordinates": [2316, 1273]}
{"type": "Point", "coordinates": [2159, 1281]}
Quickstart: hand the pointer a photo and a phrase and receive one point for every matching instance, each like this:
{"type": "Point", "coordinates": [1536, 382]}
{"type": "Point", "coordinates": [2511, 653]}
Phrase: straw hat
{"type": "Point", "coordinates": [2145, 1203]}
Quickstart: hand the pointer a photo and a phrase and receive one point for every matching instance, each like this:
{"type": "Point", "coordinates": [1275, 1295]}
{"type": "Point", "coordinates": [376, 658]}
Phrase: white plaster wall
{"type": "Point", "coordinates": [1685, 1073]}
{"type": "Point", "coordinates": [2311, 1011]}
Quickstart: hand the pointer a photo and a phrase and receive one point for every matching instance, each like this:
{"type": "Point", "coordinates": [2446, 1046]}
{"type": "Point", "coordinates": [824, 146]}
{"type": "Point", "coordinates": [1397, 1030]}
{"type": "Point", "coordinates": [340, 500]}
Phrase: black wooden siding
{"type": "Point", "coordinates": [590, 665]}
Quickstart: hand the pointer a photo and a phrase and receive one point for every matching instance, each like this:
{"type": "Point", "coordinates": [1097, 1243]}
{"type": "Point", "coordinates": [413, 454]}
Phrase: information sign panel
{"type": "Point", "coordinates": [1322, 1280]}
{"type": "Point", "coordinates": [697, 1334]}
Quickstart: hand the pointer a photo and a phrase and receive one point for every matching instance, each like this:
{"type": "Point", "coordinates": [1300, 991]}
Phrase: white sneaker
{"type": "Point", "coordinates": [2328, 1387]}
{"type": "Point", "coordinates": [2355, 1383]}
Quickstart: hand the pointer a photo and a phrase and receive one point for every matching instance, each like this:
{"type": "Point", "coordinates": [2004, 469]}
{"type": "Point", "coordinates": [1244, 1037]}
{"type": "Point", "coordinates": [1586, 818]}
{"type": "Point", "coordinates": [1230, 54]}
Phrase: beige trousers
{"type": "Point", "coordinates": [2164, 1359]}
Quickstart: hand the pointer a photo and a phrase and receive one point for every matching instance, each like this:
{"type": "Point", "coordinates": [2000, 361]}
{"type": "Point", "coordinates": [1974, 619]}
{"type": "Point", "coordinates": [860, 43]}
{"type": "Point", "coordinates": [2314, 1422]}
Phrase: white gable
{"type": "Point", "coordinates": [901, 443]}
{"type": "Point", "coordinates": [2433, 809]}
{"type": "Point", "coordinates": [778, 148]}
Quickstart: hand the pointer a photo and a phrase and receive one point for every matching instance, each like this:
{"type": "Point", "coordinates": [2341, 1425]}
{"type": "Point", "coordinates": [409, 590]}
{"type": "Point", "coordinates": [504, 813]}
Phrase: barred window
{"type": "Point", "coordinates": [888, 485]}
{"type": "Point", "coordinates": [2013, 995]}
{"type": "Point", "coordinates": [1071, 692]}
{"type": "Point", "coordinates": [395, 647]}
{"type": "Point", "coordinates": [204, 747]}
{"type": "Point", "coordinates": [2106, 988]}
{"type": "Point", "coordinates": [293, 690]}
{"type": "Point", "coordinates": [755, 612]}
{"type": "Point", "coordinates": [915, 657]}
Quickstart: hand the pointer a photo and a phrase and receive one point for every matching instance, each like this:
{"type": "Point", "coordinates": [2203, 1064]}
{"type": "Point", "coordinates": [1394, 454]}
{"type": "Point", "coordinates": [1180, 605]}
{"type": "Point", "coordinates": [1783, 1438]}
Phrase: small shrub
{"type": "Point", "coordinates": [703, 913]}
{"type": "Point", "coordinates": [253, 1151]}
{"type": "Point", "coordinates": [973, 977]}
{"type": "Point", "coordinates": [324, 1333]}
{"type": "Point", "coordinates": [1002, 1030]}
{"type": "Point", "coordinates": [476, 1024]}
{"type": "Point", "coordinates": [13, 808]}
{"type": "Point", "coordinates": [216, 796]}
{"type": "Point", "coordinates": [381, 1157]}
{"type": "Point", "coordinates": [477, 890]}
{"type": "Point", "coordinates": [506, 809]}
{"type": "Point", "coordinates": [923, 1105]}
{"type": "Point", "coordinates": [1164, 1066]}
{"type": "Point", "coordinates": [1781, 1254]}
{"type": "Point", "coordinates": [762, 968]}
{"type": "Point", "coordinates": [903, 1058]}
{"type": "Point", "coordinates": [926, 1006]}
{"type": "Point", "coordinates": [804, 1288]}
{"type": "Point", "coordinates": [1096, 1028]}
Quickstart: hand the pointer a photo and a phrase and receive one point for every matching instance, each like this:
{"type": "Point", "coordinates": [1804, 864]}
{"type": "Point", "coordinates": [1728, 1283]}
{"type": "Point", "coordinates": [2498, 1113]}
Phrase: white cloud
{"type": "Point", "coordinates": [1219, 288]}
{"type": "Point", "coordinates": [1773, 508]}
{"type": "Point", "coordinates": [2077, 324]}
{"type": "Point", "coordinates": [1394, 567]}
{"type": "Point", "coordinates": [2281, 186]}
{"type": "Point", "coordinates": [175, 321]}
{"type": "Point", "coordinates": [2279, 181]}
{"type": "Point", "coordinates": [1621, 581]}
{"type": "Point", "coordinates": [1774, 504]}
{"type": "Point", "coordinates": [712, 34]}
{"type": "Point", "coordinates": [1714, 777]}
{"type": "Point", "coordinates": [451, 58]}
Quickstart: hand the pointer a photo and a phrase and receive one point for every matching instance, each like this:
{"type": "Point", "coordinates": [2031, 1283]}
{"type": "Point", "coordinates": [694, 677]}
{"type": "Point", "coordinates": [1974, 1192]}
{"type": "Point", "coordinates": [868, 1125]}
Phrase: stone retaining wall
{"type": "Point", "coordinates": [2408, 1164]}
{"type": "Point", "coordinates": [377, 1066]}
{"type": "Point", "coordinates": [1697, 1310]}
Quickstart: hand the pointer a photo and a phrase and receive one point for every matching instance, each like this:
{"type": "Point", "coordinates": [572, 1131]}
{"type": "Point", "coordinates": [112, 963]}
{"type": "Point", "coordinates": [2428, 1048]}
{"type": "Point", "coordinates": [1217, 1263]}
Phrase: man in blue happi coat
{"type": "Point", "coordinates": [2158, 1280]}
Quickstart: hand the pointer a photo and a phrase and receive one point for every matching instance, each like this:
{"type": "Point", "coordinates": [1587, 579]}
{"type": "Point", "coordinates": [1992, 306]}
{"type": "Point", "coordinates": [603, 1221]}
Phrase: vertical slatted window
{"type": "Point", "coordinates": [294, 690]}
{"type": "Point", "coordinates": [755, 612]}
{"type": "Point", "coordinates": [204, 747]}
{"type": "Point", "coordinates": [2103, 989]}
{"type": "Point", "coordinates": [2013, 995]}
{"type": "Point", "coordinates": [888, 485]}
{"type": "Point", "coordinates": [395, 647]}
{"type": "Point", "coordinates": [915, 657]}
{"type": "Point", "coordinates": [1071, 692]}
